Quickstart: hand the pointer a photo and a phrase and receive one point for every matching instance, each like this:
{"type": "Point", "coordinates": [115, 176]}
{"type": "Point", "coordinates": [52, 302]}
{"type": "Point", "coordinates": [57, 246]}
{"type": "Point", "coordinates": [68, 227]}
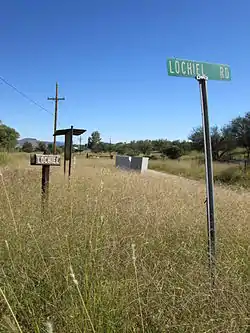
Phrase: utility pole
{"type": "Point", "coordinates": [56, 99]}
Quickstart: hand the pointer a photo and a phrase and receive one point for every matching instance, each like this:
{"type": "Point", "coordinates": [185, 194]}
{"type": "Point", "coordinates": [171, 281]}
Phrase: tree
{"type": "Point", "coordinates": [105, 147]}
{"type": "Point", "coordinates": [185, 146]}
{"type": "Point", "coordinates": [50, 149]}
{"type": "Point", "coordinates": [144, 146]}
{"type": "Point", "coordinates": [159, 145]}
{"type": "Point", "coordinates": [8, 137]}
{"type": "Point", "coordinates": [132, 148]}
{"type": "Point", "coordinates": [222, 141]}
{"type": "Point", "coordinates": [42, 146]}
{"type": "Point", "coordinates": [197, 139]}
{"type": "Point", "coordinates": [172, 152]}
{"type": "Point", "coordinates": [94, 141]}
{"type": "Point", "coordinates": [120, 148]}
{"type": "Point", "coordinates": [27, 147]}
{"type": "Point", "coordinates": [240, 131]}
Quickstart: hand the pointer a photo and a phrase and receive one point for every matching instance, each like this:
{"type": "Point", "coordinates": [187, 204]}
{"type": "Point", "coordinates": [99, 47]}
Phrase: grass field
{"type": "Point", "coordinates": [224, 173]}
{"type": "Point", "coordinates": [16, 160]}
{"type": "Point", "coordinates": [119, 252]}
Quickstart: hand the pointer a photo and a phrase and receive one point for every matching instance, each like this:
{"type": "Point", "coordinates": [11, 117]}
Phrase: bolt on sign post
{"type": "Point", "coordinates": [203, 71]}
{"type": "Point", "coordinates": [68, 144]}
{"type": "Point", "coordinates": [45, 161]}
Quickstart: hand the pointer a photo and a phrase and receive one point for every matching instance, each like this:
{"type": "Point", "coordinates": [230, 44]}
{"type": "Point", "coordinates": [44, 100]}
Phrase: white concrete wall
{"type": "Point", "coordinates": [133, 163]}
{"type": "Point", "coordinates": [139, 163]}
{"type": "Point", "coordinates": [123, 162]}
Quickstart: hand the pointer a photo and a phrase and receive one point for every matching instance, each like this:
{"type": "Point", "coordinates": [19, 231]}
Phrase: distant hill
{"type": "Point", "coordinates": [34, 142]}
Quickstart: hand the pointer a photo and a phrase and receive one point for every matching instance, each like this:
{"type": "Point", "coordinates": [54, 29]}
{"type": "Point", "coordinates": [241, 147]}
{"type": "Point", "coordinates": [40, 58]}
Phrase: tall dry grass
{"type": "Point", "coordinates": [224, 173]}
{"type": "Point", "coordinates": [13, 159]}
{"type": "Point", "coordinates": [120, 252]}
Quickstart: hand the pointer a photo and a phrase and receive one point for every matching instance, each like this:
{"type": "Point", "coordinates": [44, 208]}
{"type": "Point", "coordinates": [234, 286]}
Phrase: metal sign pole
{"type": "Point", "coordinates": [209, 176]}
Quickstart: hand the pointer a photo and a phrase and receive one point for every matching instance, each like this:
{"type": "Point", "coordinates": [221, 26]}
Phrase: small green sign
{"type": "Point", "coordinates": [190, 68]}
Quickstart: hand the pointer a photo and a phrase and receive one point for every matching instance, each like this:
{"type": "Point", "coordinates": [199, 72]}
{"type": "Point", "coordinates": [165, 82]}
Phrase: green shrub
{"type": "Point", "coordinates": [172, 152]}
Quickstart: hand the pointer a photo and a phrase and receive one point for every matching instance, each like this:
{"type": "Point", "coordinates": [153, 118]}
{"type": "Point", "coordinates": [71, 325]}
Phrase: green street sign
{"type": "Point", "coordinates": [190, 68]}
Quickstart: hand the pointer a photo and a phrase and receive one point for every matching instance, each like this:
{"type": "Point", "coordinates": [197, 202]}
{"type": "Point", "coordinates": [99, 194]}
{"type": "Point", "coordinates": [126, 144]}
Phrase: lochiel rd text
{"type": "Point", "coordinates": [189, 68]}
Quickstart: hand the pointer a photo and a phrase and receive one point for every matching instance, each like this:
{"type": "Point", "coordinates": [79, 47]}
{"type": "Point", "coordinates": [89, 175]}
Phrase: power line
{"type": "Point", "coordinates": [25, 96]}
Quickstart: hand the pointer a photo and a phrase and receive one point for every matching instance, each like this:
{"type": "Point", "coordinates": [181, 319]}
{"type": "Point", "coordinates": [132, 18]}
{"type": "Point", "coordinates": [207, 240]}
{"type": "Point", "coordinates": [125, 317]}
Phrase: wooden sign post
{"type": "Point", "coordinates": [45, 161]}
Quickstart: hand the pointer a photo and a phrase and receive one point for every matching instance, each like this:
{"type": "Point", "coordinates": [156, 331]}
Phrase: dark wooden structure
{"type": "Point", "coordinates": [68, 143]}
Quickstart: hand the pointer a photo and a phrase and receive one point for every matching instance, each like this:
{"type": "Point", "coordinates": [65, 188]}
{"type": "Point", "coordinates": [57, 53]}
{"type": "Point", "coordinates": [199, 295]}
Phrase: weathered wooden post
{"type": "Point", "coordinates": [70, 148]}
{"type": "Point", "coordinates": [45, 186]}
{"type": "Point", "coordinates": [45, 161]}
{"type": "Point", "coordinates": [68, 144]}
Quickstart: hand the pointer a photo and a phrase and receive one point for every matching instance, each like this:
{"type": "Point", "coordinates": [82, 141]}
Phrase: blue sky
{"type": "Point", "coordinates": [109, 57]}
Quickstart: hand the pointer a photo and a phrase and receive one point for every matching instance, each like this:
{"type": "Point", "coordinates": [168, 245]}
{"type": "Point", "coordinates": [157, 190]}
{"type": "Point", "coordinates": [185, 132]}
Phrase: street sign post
{"type": "Point", "coordinates": [45, 161]}
{"type": "Point", "coordinates": [190, 68]}
{"type": "Point", "coordinates": [202, 72]}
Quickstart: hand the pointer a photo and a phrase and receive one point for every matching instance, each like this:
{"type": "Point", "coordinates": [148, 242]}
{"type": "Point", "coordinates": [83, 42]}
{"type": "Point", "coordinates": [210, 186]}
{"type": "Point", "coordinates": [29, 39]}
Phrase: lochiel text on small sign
{"type": "Point", "coordinates": [41, 159]}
